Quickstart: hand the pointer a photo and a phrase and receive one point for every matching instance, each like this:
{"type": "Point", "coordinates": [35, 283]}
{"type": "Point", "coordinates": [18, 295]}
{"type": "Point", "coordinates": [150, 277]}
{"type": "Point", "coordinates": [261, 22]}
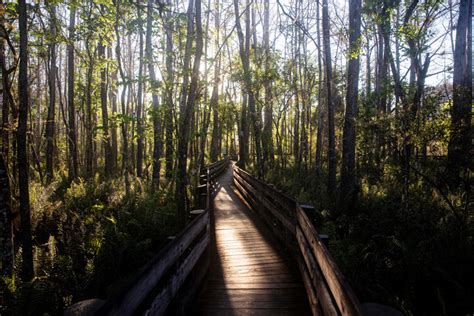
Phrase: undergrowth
{"type": "Point", "coordinates": [88, 236]}
{"type": "Point", "coordinates": [414, 254]}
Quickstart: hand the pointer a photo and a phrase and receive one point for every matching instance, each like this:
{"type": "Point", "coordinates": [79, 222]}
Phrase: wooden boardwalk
{"type": "Point", "coordinates": [249, 274]}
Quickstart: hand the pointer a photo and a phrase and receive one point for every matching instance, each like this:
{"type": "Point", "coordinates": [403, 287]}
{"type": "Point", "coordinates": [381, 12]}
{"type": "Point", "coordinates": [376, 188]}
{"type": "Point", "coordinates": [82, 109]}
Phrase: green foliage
{"type": "Point", "coordinates": [414, 254]}
{"type": "Point", "coordinates": [88, 235]}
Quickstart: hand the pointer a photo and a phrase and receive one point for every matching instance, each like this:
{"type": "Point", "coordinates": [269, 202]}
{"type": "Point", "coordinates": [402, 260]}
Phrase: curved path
{"type": "Point", "coordinates": [249, 273]}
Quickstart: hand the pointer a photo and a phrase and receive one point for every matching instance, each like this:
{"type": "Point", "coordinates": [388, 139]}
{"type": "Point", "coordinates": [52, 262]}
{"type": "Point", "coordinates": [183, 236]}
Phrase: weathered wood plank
{"type": "Point", "coordinates": [345, 299]}
{"type": "Point", "coordinates": [163, 299]}
{"type": "Point", "coordinates": [316, 279]}
{"type": "Point", "coordinates": [250, 276]}
{"type": "Point", "coordinates": [156, 268]}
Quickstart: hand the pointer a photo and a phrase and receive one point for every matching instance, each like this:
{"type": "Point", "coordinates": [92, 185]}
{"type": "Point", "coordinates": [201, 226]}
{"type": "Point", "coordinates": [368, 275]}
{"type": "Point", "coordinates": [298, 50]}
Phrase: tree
{"type": "Point", "coordinates": [105, 114]}
{"type": "Point", "coordinates": [459, 147]}
{"type": "Point", "coordinates": [140, 109]}
{"type": "Point", "coordinates": [22, 155]}
{"type": "Point", "coordinates": [6, 240]}
{"type": "Point", "coordinates": [330, 102]}
{"type": "Point", "coordinates": [214, 103]}
{"type": "Point", "coordinates": [123, 77]}
{"type": "Point", "coordinates": [244, 51]}
{"type": "Point", "coordinates": [186, 113]}
{"type": "Point", "coordinates": [154, 86]}
{"type": "Point", "coordinates": [319, 132]}
{"type": "Point", "coordinates": [267, 137]}
{"type": "Point", "coordinates": [72, 135]}
{"type": "Point", "coordinates": [348, 177]}
{"type": "Point", "coordinates": [168, 116]}
{"type": "Point", "coordinates": [50, 123]}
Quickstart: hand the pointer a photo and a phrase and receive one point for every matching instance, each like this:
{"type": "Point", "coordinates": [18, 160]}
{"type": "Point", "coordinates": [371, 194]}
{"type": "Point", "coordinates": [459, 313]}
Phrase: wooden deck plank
{"type": "Point", "coordinates": [249, 274]}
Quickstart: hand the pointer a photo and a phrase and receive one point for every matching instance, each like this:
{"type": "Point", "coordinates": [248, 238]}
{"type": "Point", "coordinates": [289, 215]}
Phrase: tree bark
{"type": "Point", "coordinates": [245, 59]}
{"type": "Point", "coordinates": [22, 155]}
{"type": "Point", "coordinates": [72, 138]}
{"type": "Point", "coordinates": [330, 103]}
{"type": "Point", "coordinates": [348, 177]}
{"type": "Point", "coordinates": [140, 109]}
{"type": "Point", "coordinates": [124, 124]}
{"type": "Point", "coordinates": [105, 114]}
{"type": "Point", "coordinates": [6, 240]}
{"type": "Point", "coordinates": [89, 150]}
{"type": "Point", "coordinates": [168, 115]}
{"type": "Point", "coordinates": [50, 123]}
{"type": "Point", "coordinates": [187, 110]}
{"type": "Point", "coordinates": [459, 149]}
{"type": "Point", "coordinates": [214, 102]}
{"type": "Point", "coordinates": [319, 132]}
{"type": "Point", "coordinates": [267, 139]}
{"type": "Point", "coordinates": [154, 85]}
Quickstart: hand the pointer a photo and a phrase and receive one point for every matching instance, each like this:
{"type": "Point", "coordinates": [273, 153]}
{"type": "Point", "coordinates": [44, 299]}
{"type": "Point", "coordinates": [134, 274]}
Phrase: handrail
{"type": "Point", "coordinates": [159, 281]}
{"type": "Point", "coordinates": [328, 291]}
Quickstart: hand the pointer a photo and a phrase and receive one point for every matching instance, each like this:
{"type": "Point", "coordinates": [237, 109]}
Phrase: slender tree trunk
{"type": "Point", "coordinates": [89, 150]}
{"type": "Point", "coordinates": [330, 102]}
{"type": "Point", "coordinates": [168, 115]}
{"type": "Point", "coordinates": [156, 116]}
{"type": "Point", "coordinates": [267, 139]}
{"type": "Point", "coordinates": [140, 109]}
{"type": "Point", "coordinates": [187, 110]}
{"type": "Point", "coordinates": [124, 124]}
{"type": "Point", "coordinates": [214, 103]}
{"type": "Point", "coordinates": [50, 123]}
{"type": "Point", "coordinates": [459, 157]}
{"type": "Point", "coordinates": [7, 99]}
{"type": "Point", "coordinates": [243, 135]}
{"type": "Point", "coordinates": [245, 59]}
{"type": "Point", "coordinates": [112, 90]}
{"type": "Point", "coordinates": [348, 177]}
{"type": "Point", "coordinates": [319, 132]}
{"type": "Point", "coordinates": [22, 155]}
{"type": "Point", "coordinates": [6, 240]}
{"type": "Point", "coordinates": [105, 114]}
{"type": "Point", "coordinates": [72, 138]}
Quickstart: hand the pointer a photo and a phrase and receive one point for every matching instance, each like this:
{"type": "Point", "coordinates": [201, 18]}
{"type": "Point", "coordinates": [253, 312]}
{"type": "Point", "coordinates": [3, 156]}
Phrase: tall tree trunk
{"type": "Point", "coordinates": [72, 138]}
{"type": "Point", "coordinates": [185, 117]}
{"type": "Point", "coordinates": [124, 124]}
{"type": "Point", "coordinates": [214, 103]}
{"type": "Point", "coordinates": [201, 138]}
{"type": "Point", "coordinates": [7, 98]}
{"type": "Point", "coordinates": [156, 116]}
{"type": "Point", "coordinates": [243, 135]}
{"type": "Point", "coordinates": [6, 240]}
{"type": "Point", "coordinates": [267, 137]}
{"type": "Point", "coordinates": [112, 91]}
{"type": "Point", "coordinates": [50, 123]}
{"type": "Point", "coordinates": [140, 110]}
{"type": "Point", "coordinates": [319, 132]}
{"type": "Point", "coordinates": [168, 116]}
{"type": "Point", "coordinates": [348, 177]}
{"type": "Point", "coordinates": [330, 103]}
{"type": "Point", "coordinates": [105, 114]}
{"type": "Point", "coordinates": [22, 155]}
{"type": "Point", "coordinates": [459, 157]}
{"type": "Point", "coordinates": [89, 150]}
{"type": "Point", "coordinates": [245, 59]}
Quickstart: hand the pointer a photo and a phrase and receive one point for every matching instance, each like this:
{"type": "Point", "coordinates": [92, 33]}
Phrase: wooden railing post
{"type": "Point", "coordinates": [311, 213]}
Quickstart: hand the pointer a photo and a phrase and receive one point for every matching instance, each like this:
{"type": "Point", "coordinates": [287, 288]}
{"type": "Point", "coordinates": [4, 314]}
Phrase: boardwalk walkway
{"type": "Point", "coordinates": [249, 274]}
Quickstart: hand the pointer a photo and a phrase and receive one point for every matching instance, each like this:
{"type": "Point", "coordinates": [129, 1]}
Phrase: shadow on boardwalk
{"type": "Point", "coordinates": [249, 273]}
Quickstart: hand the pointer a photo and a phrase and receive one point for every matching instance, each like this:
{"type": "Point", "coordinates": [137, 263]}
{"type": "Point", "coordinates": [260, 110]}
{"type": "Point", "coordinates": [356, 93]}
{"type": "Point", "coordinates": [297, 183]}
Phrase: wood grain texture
{"type": "Point", "coordinates": [249, 275]}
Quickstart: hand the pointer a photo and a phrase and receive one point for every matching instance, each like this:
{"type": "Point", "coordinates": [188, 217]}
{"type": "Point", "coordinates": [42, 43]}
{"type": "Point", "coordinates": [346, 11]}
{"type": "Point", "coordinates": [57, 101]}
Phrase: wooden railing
{"type": "Point", "coordinates": [186, 256]}
{"type": "Point", "coordinates": [207, 184]}
{"type": "Point", "coordinates": [327, 289]}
